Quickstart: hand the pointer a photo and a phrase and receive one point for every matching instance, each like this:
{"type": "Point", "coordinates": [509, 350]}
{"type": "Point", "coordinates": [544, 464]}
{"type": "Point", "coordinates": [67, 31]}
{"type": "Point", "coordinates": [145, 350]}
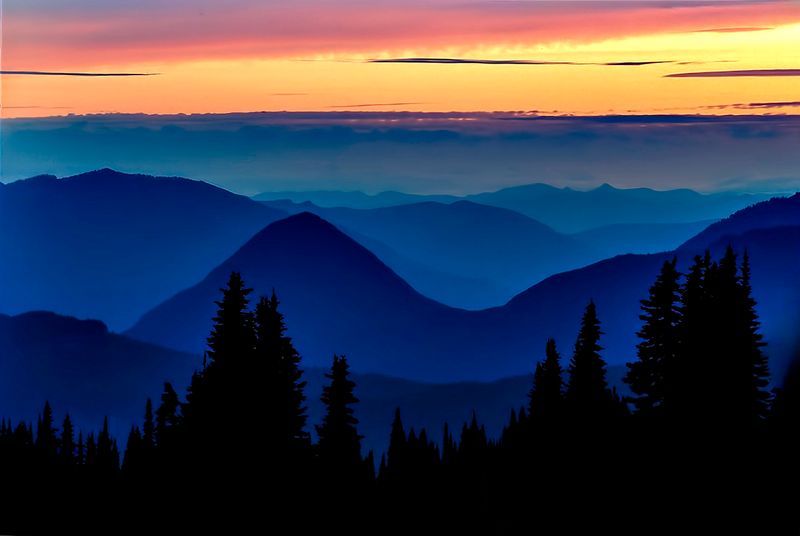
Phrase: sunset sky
{"type": "Point", "coordinates": [551, 57]}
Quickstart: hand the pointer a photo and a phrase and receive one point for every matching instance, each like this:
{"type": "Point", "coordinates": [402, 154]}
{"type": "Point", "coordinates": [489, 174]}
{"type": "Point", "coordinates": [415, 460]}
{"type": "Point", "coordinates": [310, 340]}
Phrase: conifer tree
{"type": "Point", "coordinates": [339, 441]}
{"type": "Point", "coordinates": [149, 427]}
{"type": "Point", "coordinates": [449, 447]}
{"type": "Point", "coordinates": [80, 457]}
{"type": "Point", "coordinates": [167, 417]}
{"type": "Point", "coordinates": [279, 363]}
{"type": "Point", "coordinates": [219, 394]}
{"type": "Point", "coordinates": [231, 336]}
{"type": "Point", "coordinates": [686, 378]}
{"type": "Point", "coordinates": [397, 452]}
{"type": "Point", "coordinates": [46, 434]}
{"type": "Point", "coordinates": [587, 393]}
{"type": "Point", "coordinates": [749, 343]}
{"type": "Point", "coordinates": [107, 457]}
{"type": "Point", "coordinates": [91, 451]}
{"type": "Point", "coordinates": [547, 394]}
{"type": "Point", "coordinates": [67, 446]}
{"type": "Point", "coordinates": [659, 341]}
{"type": "Point", "coordinates": [132, 461]}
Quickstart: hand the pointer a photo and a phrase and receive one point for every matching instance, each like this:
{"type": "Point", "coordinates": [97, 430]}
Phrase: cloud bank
{"type": "Point", "coordinates": [415, 152]}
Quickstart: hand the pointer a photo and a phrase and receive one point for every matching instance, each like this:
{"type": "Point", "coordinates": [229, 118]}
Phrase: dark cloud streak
{"type": "Point", "coordinates": [56, 73]}
{"type": "Point", "coordinates": [735, 30]}
{"type": "Point", "coordinates": [726, 74]}
{"type": "Point", "coordinates": [375, 104]}
{"type": "Point", "coordinates": [478, 61]}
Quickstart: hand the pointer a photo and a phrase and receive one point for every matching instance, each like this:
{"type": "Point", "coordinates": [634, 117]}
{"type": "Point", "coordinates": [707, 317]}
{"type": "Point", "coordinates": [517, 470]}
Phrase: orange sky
{"type": "Point", "coordinates": [243, 55]}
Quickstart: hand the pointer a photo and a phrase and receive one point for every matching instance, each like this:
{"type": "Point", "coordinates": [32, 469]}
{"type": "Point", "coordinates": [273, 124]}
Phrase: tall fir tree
{"type": "Point", "coordinates": [686, 377]}
{"type": "Point", "coordinates": [107, 457]}
{"type": "Point", "coordinates": [339, 442]}
{"type": "Point", "coordinates": [47, 434]}
{"type": "Point", "coordinates": [278, 363]}
{"type": "Point", "coordinates": [587, 395]}
{"type": "Point", "coordinates": [396, 454]}
{"type": "Point", "coordinates": [218, 395]}
{"type": "Point", "coordinates": [80, 456]}
{"type": "Point", "coordinates": [66, 450]}
{"type": "Point", "coordinates": [167, 417]}
{"type": "Point", "coordinates": [755, 374]}
{"type": "Point", "coordinates": [133, 460]}
{"type": "Point", "coordinates": [660, 337]}
{"type": "Point", "coordinates": [148, 427]}
{"type": "Point", "coordinates": [231, 335]}
{"type": "Point", "coordinates": [547, 395]}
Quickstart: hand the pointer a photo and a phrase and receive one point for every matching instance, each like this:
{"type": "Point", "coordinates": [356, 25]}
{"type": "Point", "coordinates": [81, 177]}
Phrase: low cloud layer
{"type": "Point", "coordinates": [415, 152]}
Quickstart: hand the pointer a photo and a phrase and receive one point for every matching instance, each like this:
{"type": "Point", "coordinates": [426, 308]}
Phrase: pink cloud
{"type": "Point", "coordinates": [94, 33]}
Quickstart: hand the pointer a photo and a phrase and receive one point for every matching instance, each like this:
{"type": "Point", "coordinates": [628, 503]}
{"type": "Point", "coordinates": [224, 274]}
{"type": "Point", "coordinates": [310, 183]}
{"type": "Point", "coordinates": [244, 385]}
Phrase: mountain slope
{"type": "Point", "coordinates": [111, 245]}
{"type": "Point", "coordinates": [337, 296]}
{"type": "Point", "coordinates": [622, 238]}
{"type": "Point", "coordinates": [82, 369]}
{"type": "Point", "coordinates": [507, 250]}
{"type": "Point", "coordinates": [776, 212]}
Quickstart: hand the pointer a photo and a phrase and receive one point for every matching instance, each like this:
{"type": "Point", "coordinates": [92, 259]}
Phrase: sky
{"type": "Point", "coordinates": [549, 57]}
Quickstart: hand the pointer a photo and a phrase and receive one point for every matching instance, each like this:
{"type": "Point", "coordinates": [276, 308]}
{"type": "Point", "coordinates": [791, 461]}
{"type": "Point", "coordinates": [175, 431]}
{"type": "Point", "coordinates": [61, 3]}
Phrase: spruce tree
{"type": "Point", "coordinates": [231, 335]}
{"type": "Point", "coordinates": [587, 393]}
{"type": "Point", "coordinates": [755, 368]}
{"type": "Point", "coordinates": [396, 454]}
{"type": "Point", "coordinates": [167, 417]}
{"type": "Point", "coordinates": [687, 377]}
{"type": "Point", "coordinates": [149, 427]}
{"type": "Point", "coordinates": [46, 435]}
{"type": "Point", "coordinates": [107, 457]}
{"type": "Point", "coordinates": [547, 394]}
{"type": "Point", "coordinates": [219, 394]}
{"type": "Point", "coordinates": [339, 441]}
{"type": "Point", "coordinates": [132, 461]}
{"type": "Point", "coordinates": [80, 457]}
{"type": "Point", "coordinates": [278, 363]}
{"type": "Point", "coordinates": [66, 449]}
{"type": "Point", "coordinates": [659, 341]}
{"type": "Point", "coordinates": [91, 452]}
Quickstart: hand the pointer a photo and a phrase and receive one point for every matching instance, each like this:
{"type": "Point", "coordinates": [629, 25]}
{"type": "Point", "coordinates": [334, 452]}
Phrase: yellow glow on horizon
{"type": "Point", "coordinates": [333, 83]}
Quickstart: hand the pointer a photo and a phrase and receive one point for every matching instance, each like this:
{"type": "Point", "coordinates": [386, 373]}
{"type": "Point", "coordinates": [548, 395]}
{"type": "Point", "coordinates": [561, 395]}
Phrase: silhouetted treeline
{"type": "Point", "coordinates": [700, 446]}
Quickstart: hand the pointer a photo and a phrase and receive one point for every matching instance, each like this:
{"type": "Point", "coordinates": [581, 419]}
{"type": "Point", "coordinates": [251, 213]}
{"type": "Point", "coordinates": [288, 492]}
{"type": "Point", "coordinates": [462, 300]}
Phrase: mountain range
{"type": "Point", "coordinates": [124, 247]}
{"type": "Point", "coordinates": [564, 209]}
{"type": "Point", "coordinates": [338, 297]}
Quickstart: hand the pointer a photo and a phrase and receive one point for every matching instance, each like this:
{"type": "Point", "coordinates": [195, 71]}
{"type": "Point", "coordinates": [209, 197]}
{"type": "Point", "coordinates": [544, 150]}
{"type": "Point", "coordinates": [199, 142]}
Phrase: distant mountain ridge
{"type": "Point", "coordinates": [564, 209]}
{"type": "Point", "coordinates": [109, 245]}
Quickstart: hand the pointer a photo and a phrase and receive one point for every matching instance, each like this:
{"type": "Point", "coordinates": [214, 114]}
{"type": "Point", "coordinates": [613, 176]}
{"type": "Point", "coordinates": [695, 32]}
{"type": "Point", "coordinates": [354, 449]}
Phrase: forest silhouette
{"type": "Point", "coordinates": [702, 445]}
